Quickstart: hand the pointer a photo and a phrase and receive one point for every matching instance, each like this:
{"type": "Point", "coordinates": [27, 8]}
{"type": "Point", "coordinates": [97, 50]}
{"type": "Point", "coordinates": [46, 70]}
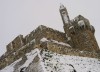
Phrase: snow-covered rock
{"type": "Point", "coordinates": [65, 63]}
{"type": "Point", "coordinates": [81, 23]}
{"type": "Point", "coordinates": [47, 61]}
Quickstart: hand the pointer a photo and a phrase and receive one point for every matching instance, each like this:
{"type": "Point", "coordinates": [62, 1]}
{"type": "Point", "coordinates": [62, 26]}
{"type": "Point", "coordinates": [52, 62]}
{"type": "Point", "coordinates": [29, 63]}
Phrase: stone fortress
{"type": "Point", "coordinates": [77, 40]}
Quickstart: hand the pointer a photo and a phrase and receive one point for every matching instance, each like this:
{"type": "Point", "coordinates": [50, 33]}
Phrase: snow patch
{"type": "Point", "coordinates": [10, 68]}
{"type": "Point", "coordinates": [65, 17]}
{"type": "Point", "coordinates": [32, 41]}
{"type": "Point", "coordinates": [54, 41]}
{"type": "Point", "coordinates": [44, 39]}
{"type": "Point", "coordinates": [30, 57]}
{"type": "Point", "coordinates": [71, 27]}
{"type": "Point", "coordinates": [81, 23]}
{"type": "Point", "coordinates": [65, 63]}
{"type": "Point", "coordinates": [65, 44]}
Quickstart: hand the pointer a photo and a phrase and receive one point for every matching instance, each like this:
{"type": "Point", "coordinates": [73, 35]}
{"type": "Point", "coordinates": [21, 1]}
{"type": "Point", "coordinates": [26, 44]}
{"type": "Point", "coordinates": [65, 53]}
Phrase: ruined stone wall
{"type": "Point", "coordinates": [61, 49]}
{"type": "Point", "coordinates": [81, 34]}
{"type": "Point", "coordinates": [43, 31]}
{"type": "Point", "coordinates": [8, 58]}
{"type": "Point", "coordinates": [84, 40]}
{"type": "Point", "coordinates": [19, 46]}
{"type": "Point", "coordinates": [39, 33]}
{"type": "Point", "coordinates": [15, 44]}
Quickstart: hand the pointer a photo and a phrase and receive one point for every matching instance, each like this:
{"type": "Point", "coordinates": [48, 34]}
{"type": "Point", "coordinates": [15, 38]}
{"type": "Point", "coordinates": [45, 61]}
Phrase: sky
{"type": "Point", "coordinates": [22, 16]}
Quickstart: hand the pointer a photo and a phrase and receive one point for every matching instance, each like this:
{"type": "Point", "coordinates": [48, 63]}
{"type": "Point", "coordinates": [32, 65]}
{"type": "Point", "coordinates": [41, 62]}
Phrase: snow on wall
{"type": "Point", "coordinates": [10, 68]}
{"type": "Point", "coordinates": [44, 39]}
{"type": "Point", "coordinates": [81, 23]}
{"type": "Point", "coordinates": [54, 41]}
{"type": "Point", "coordinates": [30, 57]}
{"type": "Point", "coordinates": [65, 17]}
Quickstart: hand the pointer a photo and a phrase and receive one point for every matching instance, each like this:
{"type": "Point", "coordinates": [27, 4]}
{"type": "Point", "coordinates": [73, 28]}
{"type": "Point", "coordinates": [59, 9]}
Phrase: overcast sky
{"type": "Point", "coordinates": [23, 16]}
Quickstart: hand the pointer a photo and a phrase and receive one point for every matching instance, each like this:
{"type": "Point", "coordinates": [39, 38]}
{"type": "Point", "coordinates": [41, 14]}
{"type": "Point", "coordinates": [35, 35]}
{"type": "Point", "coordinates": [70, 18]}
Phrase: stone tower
{"type": "Point", "coordinates": [79, 32]}
{"type": "Point", "coordinates": [65, 19]}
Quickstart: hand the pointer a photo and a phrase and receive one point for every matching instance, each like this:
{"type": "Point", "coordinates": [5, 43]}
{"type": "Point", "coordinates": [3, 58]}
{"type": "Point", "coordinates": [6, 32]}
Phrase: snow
{"type": "Point", "coordinates": [30, 57]}
{"type": "Point", "coordinates": [32, 41]}
{"type": "Point", "coordinates": [69, 38]}
{"type": "Point", "coordinates": [14, 53]}
{"type": "Point", "coordinates": [65, 17]}
{"type": "Point", "coordinates": [54, 41]}
{"type": "Point", "coordinates": [66, 63]}
{"type": "Point", "coordinates": [10, 68]}
{"type": "Point", "coordinates": [81, 23]}
{"type": "Point", "coordinates": [71, 27]}
{"type": "Point", "coordinates": [43, 40]}
{"type": "Point", "coordinates": [81, 51]}
{"type": "Point", "coordinates": [61, 43]}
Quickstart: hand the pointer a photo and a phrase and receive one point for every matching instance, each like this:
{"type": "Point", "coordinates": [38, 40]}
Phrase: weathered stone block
{"type": "Point", "coordinates": [15, 44]}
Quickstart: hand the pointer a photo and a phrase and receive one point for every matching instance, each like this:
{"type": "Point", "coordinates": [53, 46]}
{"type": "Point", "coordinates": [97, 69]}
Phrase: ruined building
{"type": "Point", "coordinates": [79, 32]}
{"type": "Point", "coordinates": [49, 50]}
